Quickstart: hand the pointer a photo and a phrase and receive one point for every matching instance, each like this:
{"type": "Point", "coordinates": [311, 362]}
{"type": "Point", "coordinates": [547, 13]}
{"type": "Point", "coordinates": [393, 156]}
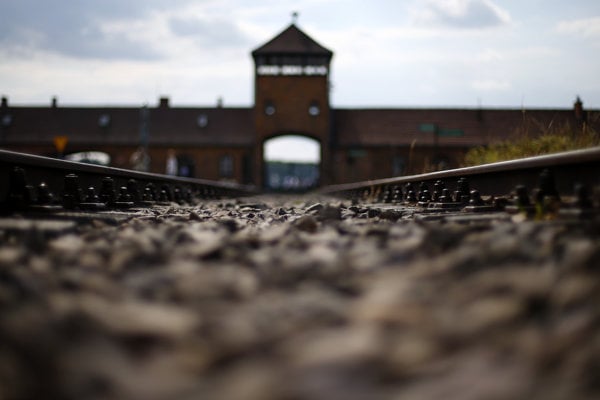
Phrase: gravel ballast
{"type": "Point", "coordinates": [299, 298]}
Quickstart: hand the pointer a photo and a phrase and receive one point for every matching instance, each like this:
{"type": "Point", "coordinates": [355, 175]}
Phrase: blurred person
{"type": "Point", "coordinates": [140, 160]}
{"type": "Point", "coordinates": [171, 167]}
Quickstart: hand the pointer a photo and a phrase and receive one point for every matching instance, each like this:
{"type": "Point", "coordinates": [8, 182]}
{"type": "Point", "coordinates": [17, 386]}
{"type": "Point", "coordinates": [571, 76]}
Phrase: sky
{"type": "Point", "coordinates": [292, 148]}
{"type": "Point", "coordinates": [387, 53]}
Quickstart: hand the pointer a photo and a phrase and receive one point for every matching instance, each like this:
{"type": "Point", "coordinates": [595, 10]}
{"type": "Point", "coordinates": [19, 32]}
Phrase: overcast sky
{"type": "Point", "coordinates": [389, 53]}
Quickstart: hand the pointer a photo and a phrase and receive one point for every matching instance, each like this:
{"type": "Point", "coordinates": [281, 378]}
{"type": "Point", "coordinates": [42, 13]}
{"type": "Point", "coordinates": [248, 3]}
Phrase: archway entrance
{"type": "Point", "coordinates": [291, 163]}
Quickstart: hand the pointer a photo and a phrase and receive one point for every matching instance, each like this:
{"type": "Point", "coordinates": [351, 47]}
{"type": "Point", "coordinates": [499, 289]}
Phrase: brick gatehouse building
{"type": "Point", "coordinates": [291, 97]}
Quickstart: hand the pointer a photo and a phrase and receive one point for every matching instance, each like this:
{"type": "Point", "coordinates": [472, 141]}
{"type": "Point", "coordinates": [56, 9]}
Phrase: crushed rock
{"type": "Point", "coordinates": [300, 298]}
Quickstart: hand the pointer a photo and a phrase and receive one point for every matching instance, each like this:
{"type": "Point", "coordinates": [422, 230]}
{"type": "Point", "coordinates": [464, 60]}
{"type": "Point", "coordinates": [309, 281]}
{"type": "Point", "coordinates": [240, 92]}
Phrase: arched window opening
{"type": "Point", "coordinates": [291, 163]}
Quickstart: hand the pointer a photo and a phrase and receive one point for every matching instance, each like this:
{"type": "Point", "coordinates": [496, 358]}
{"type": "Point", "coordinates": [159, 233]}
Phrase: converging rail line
{"type": "Point", "coordinates": [557, 180]}
{"type": "Point", "coordinates": [573, 175]}
{"type": "Point", "coordinates": [30, 181]}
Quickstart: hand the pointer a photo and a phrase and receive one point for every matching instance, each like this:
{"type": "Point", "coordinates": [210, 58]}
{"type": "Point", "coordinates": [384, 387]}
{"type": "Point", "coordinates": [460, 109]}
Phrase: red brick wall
{"type": "Point", "coordinates": [206, 159]}
{"type": "Point", "coordinates": [354, 164]}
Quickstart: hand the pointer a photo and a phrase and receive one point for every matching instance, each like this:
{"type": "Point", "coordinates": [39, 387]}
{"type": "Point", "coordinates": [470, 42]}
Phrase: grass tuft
{"type": "Point", "coordinates": [533, 140]}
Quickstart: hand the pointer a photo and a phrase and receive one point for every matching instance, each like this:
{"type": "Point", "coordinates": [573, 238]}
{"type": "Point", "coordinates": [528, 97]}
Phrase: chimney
{"type": "Point", "coordinates": [578, 110]}
{"type": "Point", "coordinates": [54, 102]}
{"type": "Point", "coordinates": [4, 102]}
{"type": "Point", "coordinates": [219, 102]}
{"type": "Point", "coordinates": [164, 102]}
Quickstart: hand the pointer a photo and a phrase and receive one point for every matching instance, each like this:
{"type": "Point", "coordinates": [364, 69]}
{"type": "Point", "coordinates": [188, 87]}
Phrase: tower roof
{"type": "Point", "coordinates": [292, 41]}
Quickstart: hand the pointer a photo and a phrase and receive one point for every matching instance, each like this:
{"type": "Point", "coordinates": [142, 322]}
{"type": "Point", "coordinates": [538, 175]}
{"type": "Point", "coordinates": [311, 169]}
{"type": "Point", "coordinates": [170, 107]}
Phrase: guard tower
{"type": "Point", "coordinates": [291, 94]}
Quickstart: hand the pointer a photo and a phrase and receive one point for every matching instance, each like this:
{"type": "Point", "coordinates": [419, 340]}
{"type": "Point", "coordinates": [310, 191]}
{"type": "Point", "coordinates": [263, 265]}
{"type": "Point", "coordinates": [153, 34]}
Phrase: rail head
{"type": "Point", "coordinates": [581, 164]}
{"type": "Point", "coordinates": [16, 158]}
{"type": "Point", "coordinates": [26, 178]}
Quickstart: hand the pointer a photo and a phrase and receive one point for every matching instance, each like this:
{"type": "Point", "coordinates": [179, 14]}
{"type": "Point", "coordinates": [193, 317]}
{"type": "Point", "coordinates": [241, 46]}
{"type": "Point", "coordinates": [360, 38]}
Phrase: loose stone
{"type": "Point", "coordinates": [299, 298]}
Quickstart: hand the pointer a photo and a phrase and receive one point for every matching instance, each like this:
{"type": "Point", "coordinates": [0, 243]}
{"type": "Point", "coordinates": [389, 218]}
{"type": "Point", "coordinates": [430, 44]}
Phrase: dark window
{"type": "Point", "coordinates": [269, 108]}
{"type": "Point", "coordinates": [398, 165]}
{"type": "Point", "coordinates": [7, 120]}
{"type": "Point", "coordinates": [104, 121]}
{"type": "Point", "coordinates": [441, 162]}
{"type": "Point", "coordinates": [186, 165]}
{"type": "Point", "coordinates": [202, 120]}
{"type": "Point", "coordinates": [226, 166]}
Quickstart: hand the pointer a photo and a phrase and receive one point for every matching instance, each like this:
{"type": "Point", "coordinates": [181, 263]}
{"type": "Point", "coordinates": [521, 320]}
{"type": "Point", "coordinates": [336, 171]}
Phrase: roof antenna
{"type": "Point", "coordinates": [295, 17]}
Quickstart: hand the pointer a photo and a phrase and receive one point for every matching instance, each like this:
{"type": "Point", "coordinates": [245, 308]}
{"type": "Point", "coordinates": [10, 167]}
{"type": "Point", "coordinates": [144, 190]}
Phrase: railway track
{"type": "Point", "coordinates": [566, 180]}
{"type": "Point", "coordinates": [32, 182]}
{"type": "Point", "coordinates": [517, 185]}
{"type": "Point", "coordinates": [414, 287]}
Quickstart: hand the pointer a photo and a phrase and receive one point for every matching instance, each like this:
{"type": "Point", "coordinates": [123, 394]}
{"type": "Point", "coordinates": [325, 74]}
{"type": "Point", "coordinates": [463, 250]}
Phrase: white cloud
{"type": "Point", "coordinates": [116, 30]}
{"type": "Point", "coordinates": [491, 85]}
{"type": "Point", "coordinates": [415, 52]}
{"type": "Point", "coordinates": [464, 14]}
{"type": "Point", "coordinates": [586, 27]}
{"type": "Point", "coordinates": [70, 28]}
{"type": "Point", "coordinates": [489, 55]}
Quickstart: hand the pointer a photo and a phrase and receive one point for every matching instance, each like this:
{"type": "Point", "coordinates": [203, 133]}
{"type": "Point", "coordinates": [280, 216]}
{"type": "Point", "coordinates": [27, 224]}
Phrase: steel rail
{"type": "Point", "coordinates": [567, 168]}
{"type": "Point", "coordinates": [498, 179]}
{"type": "Point", "coordinates": [51, 174]}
